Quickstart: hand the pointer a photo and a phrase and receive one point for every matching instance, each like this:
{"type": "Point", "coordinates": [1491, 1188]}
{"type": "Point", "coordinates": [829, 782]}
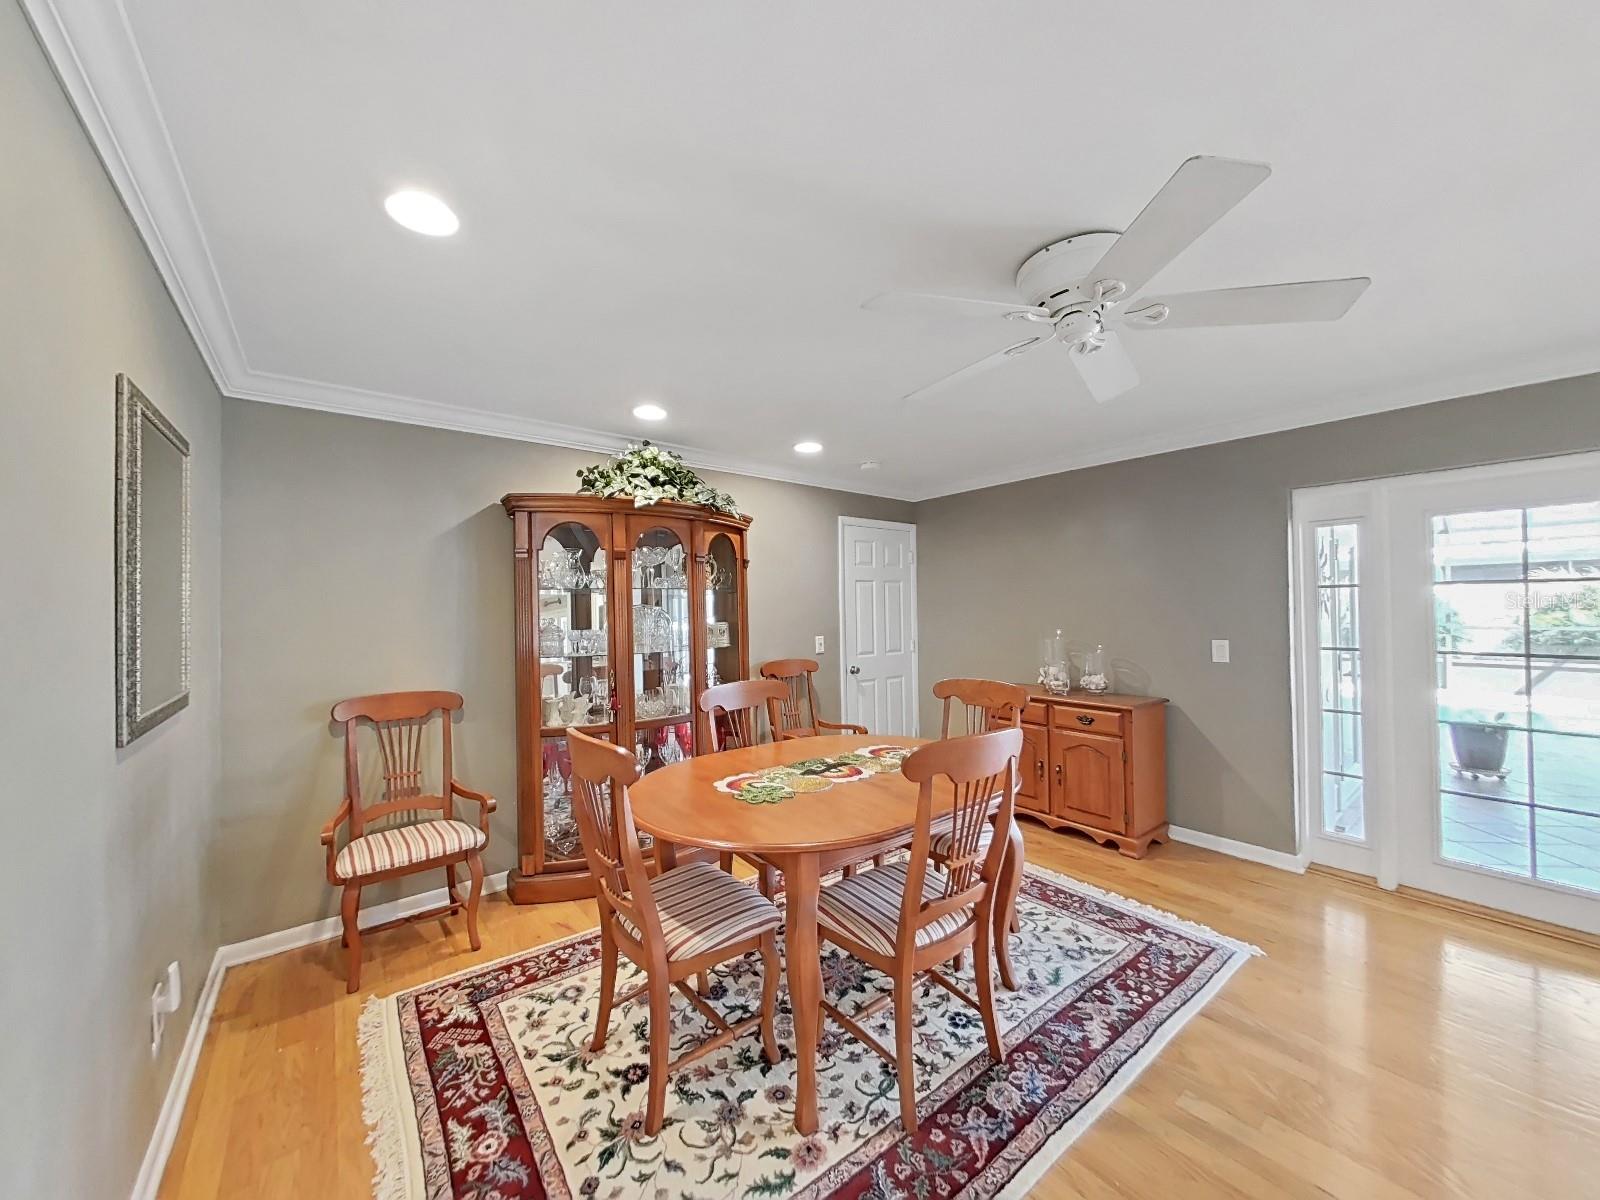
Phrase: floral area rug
{"type": "Point", "coordinates": [482, 1085]}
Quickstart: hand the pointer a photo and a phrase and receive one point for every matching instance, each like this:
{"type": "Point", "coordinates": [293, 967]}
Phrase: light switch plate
{"type": "Point", "coordinates": [819, 649]}
{"type": "Point", "coordinates": [1219, 650]}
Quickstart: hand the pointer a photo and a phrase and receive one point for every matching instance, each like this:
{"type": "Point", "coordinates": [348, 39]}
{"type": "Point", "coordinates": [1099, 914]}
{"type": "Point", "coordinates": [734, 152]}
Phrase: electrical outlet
{"type": "Point", "coordinates": [819, 649]}
{"type": "Point", "coordinates": [1219, 650]}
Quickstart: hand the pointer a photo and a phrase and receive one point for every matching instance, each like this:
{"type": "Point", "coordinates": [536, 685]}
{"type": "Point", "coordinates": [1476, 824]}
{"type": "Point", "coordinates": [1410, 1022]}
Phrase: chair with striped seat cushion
{"type": "Point", "coordinates": [681, 924]}
{"type": "Point", "coordinates": [703, 908]}
{"type": "Point", "coordinates": [372, 853]}
{"type": "Point", "coordinates": [405, 845]}
{"type": "Point", "coordinates": [866, 907]}
{"type": "Point", "coordinates": [908, 918]}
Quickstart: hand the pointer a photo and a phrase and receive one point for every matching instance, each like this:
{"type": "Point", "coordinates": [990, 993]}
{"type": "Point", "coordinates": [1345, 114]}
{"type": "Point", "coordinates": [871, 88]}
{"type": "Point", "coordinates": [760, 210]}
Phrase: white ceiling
{"type": "Point", "coordinates": [688, 203]}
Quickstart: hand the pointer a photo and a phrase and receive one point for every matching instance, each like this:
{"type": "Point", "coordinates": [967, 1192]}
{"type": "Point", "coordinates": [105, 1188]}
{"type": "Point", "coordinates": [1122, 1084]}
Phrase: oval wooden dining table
{"type": "Point", "coordinates": [805, 836]}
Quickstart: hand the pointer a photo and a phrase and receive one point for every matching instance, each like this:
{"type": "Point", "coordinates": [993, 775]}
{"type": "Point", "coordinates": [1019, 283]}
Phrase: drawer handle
{"type": "Point", "coordinates": [1085, 720]}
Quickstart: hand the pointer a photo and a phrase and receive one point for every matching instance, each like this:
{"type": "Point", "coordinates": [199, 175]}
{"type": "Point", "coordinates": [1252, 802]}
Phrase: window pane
{"type": "Point", "coordinates": [1342, 811]}
{"type": "Point", "coordinates": [1564, 619]}
{"type": "Point", "coordinates": [1336, 554]}
{"type": "Point", "coordinates": [1564, 541]}
{"type": "Point", "coordinates": [1486, 691]}
{"type": "Point", "coordinates": [1483, 833]}
{"type": "Point", "coordinates": [1341, 743]}
{"type": "Point", "coordinates": [1569, 849]}
{"type": "Point", "coordinates": [1483, 760]}
{"type": "Point", "coordinates": [1341, 680]}
{"type": "Point", "coordinates": [1566, 772]}
{"type": "Point", "coordinates": [1479, 618]}
{"type": "Point", "coordinates": [1336, 618]}
{"type": "Point", "coordinates": [1483, 545]}
{"type": "Point", "coordinates": [1566, 695]}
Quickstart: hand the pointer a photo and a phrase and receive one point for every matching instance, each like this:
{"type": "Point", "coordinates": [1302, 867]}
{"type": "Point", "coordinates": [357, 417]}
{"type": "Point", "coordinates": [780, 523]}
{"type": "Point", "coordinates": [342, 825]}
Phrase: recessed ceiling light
{"type": "Point", "coordinates": [871, 464]}
{"type": "Point", "coordinates": [808, 447]}
{"type": "Point", "coordinates": [422, 212]}
{"type": "Point", "coordinates": [650, 412]}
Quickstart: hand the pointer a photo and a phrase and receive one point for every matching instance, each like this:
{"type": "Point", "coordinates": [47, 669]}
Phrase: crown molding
{"type": "Point", "coordinates": [1475, 383]}
{"type": "Point", "coordinates": [408, 410]}
{"type": "Point", "coordinates": [91, 45]}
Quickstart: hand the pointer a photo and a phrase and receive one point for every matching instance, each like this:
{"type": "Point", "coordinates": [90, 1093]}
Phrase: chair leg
{"type": "Point", "coordinates": [450, 885]}
{"type": "Point", "coordinates": [608, 986]}
{"type": "Point", "coordinates": [660, 1044]}
{"type": "Point", "coordinates": [770, 969]}
{"type": "Point", "coordinates": [1007, 888]}
{"type": "Point", "coordinates": [904, 1063]}
{"type": "Point", "coordinates": [475, 872]}
{"type": "Point", "coordinates": [350, 910]}
{"type": "Point", "coordinates": [983, 965]}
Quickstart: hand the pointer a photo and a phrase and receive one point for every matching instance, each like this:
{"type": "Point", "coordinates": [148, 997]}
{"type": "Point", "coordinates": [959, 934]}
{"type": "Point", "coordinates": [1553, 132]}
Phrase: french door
{"type": "Point", "coordinates": [1449, 693]}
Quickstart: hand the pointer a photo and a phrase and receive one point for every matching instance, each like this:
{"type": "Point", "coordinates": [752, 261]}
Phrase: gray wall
{"type": "Point", "coordinates": [106, 863]}
{"type": "Point", "coordinates": [1157, 556]}
{"type": "Point", "coordinates": [363, 556]}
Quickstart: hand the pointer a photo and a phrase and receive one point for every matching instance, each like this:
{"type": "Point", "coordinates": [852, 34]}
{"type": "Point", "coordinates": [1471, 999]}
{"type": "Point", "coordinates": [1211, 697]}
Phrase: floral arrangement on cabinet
{"type": "Point", "coordinates": [649, 474]}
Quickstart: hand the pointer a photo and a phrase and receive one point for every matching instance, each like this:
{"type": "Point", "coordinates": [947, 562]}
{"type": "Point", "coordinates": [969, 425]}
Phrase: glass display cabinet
{"type": "Point", "coordinates": [623, 616]}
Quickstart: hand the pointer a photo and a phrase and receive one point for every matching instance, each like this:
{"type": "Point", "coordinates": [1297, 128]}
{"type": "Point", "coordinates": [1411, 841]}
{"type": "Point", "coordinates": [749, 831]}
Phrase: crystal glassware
{"type": "Point", "coordinates": [1055, 673]}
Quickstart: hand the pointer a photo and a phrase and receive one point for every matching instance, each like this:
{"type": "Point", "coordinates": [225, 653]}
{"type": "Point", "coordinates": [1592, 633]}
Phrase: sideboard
{"type": "Point", "coordinates": [1097, 764]}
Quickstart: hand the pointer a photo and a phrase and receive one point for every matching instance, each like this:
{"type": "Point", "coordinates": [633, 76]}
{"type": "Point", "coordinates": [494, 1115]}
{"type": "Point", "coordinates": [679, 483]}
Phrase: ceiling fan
{"type": "Point", "coordinates": [1082, 290]}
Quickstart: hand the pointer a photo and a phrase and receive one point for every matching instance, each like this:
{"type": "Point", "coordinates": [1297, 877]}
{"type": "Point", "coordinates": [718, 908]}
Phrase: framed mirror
{"type": "Point", "coordinates": [152, 565]}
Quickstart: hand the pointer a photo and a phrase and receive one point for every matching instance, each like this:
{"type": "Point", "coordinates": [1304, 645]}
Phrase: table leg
{"type": "Point", "coordinates": [666, 855]}
{"type": "Point", "coordinates": [804, 967]}
{"type": "Point", "coordinates": [1009, 885]}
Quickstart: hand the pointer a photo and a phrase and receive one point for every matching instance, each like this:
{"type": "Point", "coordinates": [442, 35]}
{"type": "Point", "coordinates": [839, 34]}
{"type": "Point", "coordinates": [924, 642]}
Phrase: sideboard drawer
{"type": "Point", "coordinates": [1086, 720]}
{"type": "Point", "coordinates": [1034, 713]}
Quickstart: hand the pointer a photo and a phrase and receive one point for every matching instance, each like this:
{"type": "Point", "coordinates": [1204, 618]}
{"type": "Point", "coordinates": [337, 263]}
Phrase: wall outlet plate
{"type": "Point", "coordinates": [1219, 650]}
{"type": "Point", "coordinates": [819, 649]}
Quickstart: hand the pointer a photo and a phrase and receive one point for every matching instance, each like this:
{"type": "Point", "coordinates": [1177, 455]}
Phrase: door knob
{"type": "Point", "coordinates": [855, 670]}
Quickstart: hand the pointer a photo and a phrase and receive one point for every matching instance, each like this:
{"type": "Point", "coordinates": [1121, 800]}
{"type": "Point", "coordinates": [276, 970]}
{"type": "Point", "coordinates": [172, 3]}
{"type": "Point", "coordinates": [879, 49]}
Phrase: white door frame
{"type": "Point", "coordinates": [916, 654]}
{"type": "Point", "coordinates": [1401, 779]}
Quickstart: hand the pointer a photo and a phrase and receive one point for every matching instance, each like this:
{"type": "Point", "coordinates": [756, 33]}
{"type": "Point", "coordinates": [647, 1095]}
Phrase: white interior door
{"type": "Point", "coordinates": [878, 624]}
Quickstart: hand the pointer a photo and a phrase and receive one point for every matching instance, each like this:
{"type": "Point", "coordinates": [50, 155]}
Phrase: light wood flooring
{"type": "Point", "coordinates": [1382, 1048]}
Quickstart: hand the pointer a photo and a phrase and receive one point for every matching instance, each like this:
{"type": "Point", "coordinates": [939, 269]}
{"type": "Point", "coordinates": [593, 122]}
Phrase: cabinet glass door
{"type": "Point", "coordinates": [723, 615]}
{"type": "Point", "coordinates": [575, 678]}
{"type": "Point", "coordinates": [663, 662]}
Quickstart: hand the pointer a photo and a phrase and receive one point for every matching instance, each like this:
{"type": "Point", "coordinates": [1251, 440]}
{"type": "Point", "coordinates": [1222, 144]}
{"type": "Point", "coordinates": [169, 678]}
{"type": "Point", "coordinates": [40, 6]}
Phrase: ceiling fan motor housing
{"type": "Point", "coordinates": [1057, 276]}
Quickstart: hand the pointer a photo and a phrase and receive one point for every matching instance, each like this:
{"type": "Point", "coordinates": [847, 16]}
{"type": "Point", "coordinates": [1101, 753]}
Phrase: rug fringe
{"type": "Point", "coordinates": [1150, 912]}
{"type": "Point", "coordinates": [380, 1107]}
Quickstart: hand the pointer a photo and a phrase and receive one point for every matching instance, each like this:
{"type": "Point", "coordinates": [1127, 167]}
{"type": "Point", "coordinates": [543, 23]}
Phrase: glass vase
{"type": "Point", "coordinates": [1055, 674]}
{"type": "Point", "coordinates": [1096, 677]}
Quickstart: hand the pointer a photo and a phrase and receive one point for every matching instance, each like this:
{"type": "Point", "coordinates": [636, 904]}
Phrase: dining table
{"type": "Point", "coordinates": [741, 801]}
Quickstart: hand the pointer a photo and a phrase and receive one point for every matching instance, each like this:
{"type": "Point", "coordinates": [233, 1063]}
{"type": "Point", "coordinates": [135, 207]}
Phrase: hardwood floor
{"type": "Point", "coordinates": [1382, 1048]}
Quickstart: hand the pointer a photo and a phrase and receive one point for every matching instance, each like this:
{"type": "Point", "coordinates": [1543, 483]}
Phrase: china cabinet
{"type": "Point", "coordinates": [1097, 764]}
{"type": "Point", "coordinates": [623, 616]}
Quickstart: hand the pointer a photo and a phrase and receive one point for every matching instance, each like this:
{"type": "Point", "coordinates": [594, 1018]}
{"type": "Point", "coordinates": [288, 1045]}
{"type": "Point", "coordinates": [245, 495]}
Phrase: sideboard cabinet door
{"type": "Point", "coordinates": [1087, 779]}
{"type": "Point", "coordinates": [1033, 786]}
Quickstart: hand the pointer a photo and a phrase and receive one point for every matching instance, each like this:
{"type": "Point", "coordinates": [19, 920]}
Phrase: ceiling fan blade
{"type": "Point", "coordinates": [1197, 196]}
{"type": "Point", "coordinates": [1108, 371]}
{"type": "Point", "coordinates": [1270, 304]}
{"type": "Point", "coordinates": [985, 363]}
{"type": "Point", "coordinates": [949, 306]}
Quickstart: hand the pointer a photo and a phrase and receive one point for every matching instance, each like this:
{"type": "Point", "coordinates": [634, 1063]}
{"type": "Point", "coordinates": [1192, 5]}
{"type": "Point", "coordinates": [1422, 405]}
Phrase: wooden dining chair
{"type": "Point", "coordinates": [734, 711]}
{"type": "Point", "coordinates": [975, 706]}
{"type": "Point", "coordinates": [682, 923]}
{"type": "Point", "coordinates": [795, 714]}
{"type": "Point", "coordinates": [908, 918]}
{"type": "Point", "coordinates": [394, 836]}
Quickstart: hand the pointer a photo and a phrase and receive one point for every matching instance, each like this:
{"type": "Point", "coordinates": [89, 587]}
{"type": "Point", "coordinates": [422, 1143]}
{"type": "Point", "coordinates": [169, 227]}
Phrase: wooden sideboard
{"type": "Point", "coordinates": [1097, 764]}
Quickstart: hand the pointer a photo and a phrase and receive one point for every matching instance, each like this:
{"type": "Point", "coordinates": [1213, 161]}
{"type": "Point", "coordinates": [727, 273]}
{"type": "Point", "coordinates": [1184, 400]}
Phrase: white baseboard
{"type": "Point", "coordinates": [1248, 851]}
{"type": "Point", "coordinates": [171, 1115]}
{"type": "Point", "coordinates": [313, 932]}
